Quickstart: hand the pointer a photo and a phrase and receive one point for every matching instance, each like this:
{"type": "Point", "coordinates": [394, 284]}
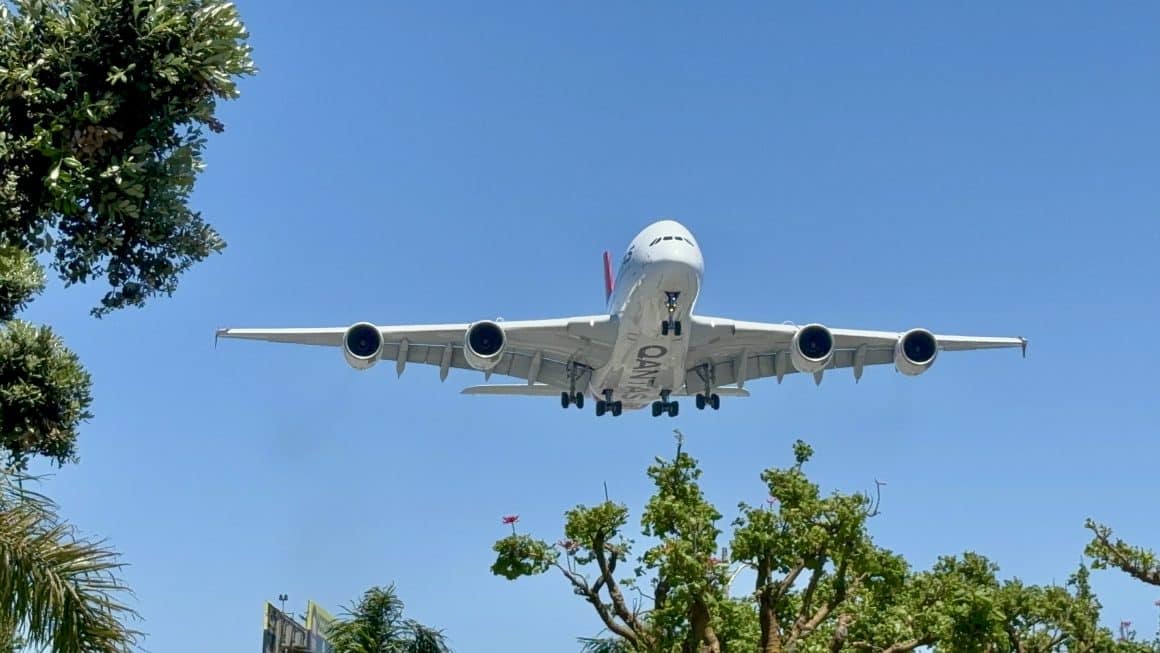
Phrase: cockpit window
{"type": "Point", "coordinates": [654, 242]}
{"type": "Point", "coordinates": [667, 238]}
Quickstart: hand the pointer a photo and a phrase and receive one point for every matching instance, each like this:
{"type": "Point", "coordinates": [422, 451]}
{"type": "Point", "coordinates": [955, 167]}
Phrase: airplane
{"type": "Point", "coordinates": [647, 347]}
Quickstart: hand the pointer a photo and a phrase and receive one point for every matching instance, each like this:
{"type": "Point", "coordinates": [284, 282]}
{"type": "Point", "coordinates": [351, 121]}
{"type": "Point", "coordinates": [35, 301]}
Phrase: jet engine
{"type": "Point", "coordinates": [361, 345]}
{"type": "Point", "coordinates": [812, 348]}
{"type": "Point", "coordinates": [915, 352]}
{"type": "Point", "coordinates": [483, 345]}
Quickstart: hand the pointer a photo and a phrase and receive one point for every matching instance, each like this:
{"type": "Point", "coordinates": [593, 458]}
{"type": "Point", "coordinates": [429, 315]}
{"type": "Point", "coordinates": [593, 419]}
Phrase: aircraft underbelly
{"type": "Point", "coordinates": [643, 361]}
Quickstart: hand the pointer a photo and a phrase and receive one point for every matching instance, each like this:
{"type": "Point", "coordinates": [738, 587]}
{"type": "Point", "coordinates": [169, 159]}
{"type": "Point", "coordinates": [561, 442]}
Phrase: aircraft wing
{"type": "Point", "coordinates": [537, 351]}
{"type": "Point", "coordinates": [738, 351]}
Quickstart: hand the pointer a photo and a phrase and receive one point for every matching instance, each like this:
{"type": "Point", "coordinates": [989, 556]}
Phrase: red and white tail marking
{"type": "Point", "coordinates": [607, 276]}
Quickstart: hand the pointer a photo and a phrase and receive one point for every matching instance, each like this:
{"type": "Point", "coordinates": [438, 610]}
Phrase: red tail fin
{"type": "Point", "coordinates": [607, 276]}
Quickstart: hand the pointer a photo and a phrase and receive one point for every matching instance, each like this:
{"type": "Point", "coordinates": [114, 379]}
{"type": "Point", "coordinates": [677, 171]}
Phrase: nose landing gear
{"type": "Point", "coordinates": [671, 325]}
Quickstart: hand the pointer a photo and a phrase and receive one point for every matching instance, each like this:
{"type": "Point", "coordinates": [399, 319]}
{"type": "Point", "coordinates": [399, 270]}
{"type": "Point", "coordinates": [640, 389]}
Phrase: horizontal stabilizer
{"type": "Point", "coordinates": [536, 390]}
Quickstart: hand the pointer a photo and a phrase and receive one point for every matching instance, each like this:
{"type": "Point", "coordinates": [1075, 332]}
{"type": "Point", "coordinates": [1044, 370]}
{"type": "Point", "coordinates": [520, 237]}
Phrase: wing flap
{"type": "Point", "coordinates": [516, 389]}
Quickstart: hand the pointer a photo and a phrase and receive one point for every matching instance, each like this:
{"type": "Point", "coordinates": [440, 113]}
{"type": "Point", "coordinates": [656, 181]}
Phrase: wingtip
{"type": "Point", "coordinates": [1024, 346]}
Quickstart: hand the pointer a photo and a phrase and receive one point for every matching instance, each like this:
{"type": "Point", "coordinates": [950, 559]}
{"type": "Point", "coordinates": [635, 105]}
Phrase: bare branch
{"type": "Point", "coordinates": [621, 630]}
{"type": "Point", "coordinates": [606, 572]}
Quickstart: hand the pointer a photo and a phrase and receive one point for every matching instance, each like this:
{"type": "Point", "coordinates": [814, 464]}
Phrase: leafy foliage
{"type": "Point", "coordinates": [1108, 552]}
{"type": "Point", "coordinates": [21, 279]}
{"type": "Point", "coordinates": [44, 395]}
{"type": "Point", "coordinates": [820, 583]}
{"type": "Point", "coordinates": [376, 625]}
{"type": "Point", "coordinates": [56, 590]}
{"type": "Point", "coordinates": [103, 107]}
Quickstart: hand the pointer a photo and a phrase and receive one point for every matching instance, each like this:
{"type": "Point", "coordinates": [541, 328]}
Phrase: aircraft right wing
{"type": "Point", "coordinates": [732, 352]}
{"type": "Point", "coordinates": [537, 351]}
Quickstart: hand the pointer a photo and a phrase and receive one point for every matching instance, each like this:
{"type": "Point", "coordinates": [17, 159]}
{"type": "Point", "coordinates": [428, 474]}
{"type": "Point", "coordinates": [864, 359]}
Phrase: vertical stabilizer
{"type": "Point", "coordinates": [607, 276]}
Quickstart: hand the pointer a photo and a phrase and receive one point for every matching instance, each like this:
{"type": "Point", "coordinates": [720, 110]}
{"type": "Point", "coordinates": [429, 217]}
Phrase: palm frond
{"type": "Point", "coordinates": [424, 639]}
{"type": "Point", "coordinates": [59, 590]}
{"type": "Point", "coordinates": [376, 624]}
{"type": "Point", "coordinates": [603, 645]}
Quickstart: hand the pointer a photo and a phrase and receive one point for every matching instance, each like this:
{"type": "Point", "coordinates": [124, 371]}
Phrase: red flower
{"type": "Point", "coordinates": [568, 545]}
{"type": "Point", "coordinates": [510, 519]}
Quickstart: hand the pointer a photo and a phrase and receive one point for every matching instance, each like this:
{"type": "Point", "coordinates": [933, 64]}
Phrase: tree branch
{"type": "Point", "coordinates": [824, 611]}
{"type": "Point", "coordinates": [808, 595]}
{"type": "Point", "coordinates": [1116, 555]}
{"type": "Point", "coordinates": [606, 572]}
{"type": "Point", "coordinates": [840, 633]}
{"type": "Point", "coordinates": [900, 647]}
{"type": "Point", "coordinates": [626, 632]}
{"type": "Point", "coordinates": [786, 583]}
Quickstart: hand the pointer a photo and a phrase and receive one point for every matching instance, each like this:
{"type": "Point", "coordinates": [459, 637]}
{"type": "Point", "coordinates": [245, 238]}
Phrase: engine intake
{"type": "Point", "coordinates": [915, 352]}
{"type": "Point", "coordinates": [812, 348]}
{"type": "Point", "coordinates": [361, 345]}
{"type": "Point", "coordinates": [484, 344]}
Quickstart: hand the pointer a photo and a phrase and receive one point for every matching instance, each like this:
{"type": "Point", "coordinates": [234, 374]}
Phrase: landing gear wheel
{"type": "Point", "coordinates": [601, 406]}
{"type": "Point", "coordinates": [616, 409]}
{"type": "Point", "coordinates": [665, 328]}
{"type": "Point", "coordinates": [657, 408]}
{"type": "Point", "coordinates": [677, 328]}
{"type": "Point", "coordinates": [715, 401]}
{"type": "Point", "coordinates": [700, 402]}
{"type": "Point", "coordinates": [579, 400]}
{"type": "Point", "coordinates": [565, 400]}
{"type": "Point", "coordinates": [674, 408]}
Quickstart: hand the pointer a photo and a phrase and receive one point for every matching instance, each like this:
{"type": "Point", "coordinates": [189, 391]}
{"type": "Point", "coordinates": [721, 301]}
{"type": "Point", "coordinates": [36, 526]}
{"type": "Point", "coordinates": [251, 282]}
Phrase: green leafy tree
{"type": "Point", "coordinates": [57, 590]}
{"type": "Point", "coordinates": [104, 105]}
{"type": "Point", "coordinates": [819, 582]}
{"type": "Point", "coordinates": [376, 625]}
{"type": "Point", "coordinates": [103, 109]}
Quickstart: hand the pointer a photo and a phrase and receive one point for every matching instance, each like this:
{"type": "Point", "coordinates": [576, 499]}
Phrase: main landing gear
{"type": "Point", "coordinates": [665, 406]}
{"type": "Point", "coordinates": [572, 397]}
{"type": "Point", "coordinates": [671, 325]}
{"type": "Point", "coordinates": [608, 405]}
{"type": "Point", "coordinates": [708, 398]}
{"type": "Point", "coordinates": [712, 401]}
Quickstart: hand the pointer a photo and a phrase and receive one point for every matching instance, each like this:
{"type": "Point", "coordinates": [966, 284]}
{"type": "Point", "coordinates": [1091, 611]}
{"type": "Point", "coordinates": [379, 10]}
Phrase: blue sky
{"type": "Point", "coordinates": [981, 169]}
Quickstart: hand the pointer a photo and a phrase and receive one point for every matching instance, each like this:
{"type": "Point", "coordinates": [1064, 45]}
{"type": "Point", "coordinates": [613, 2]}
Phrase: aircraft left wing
{"type": "Point", "coordinates": [537, 351]}
{"type": "Point", "coordinates": [731, 352]}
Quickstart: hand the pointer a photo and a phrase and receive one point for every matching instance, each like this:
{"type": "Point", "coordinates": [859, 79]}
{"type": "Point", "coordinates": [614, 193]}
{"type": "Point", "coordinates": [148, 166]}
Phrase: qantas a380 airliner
{"type": "Point", "coordinates": [647, 347]}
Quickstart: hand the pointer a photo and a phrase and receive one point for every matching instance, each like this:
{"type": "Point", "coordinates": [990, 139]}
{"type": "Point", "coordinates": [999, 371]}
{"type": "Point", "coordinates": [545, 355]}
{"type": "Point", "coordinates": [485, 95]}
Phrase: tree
{"type": "Point", "coordinates": [376, 625]}
{"type": "Point", "coordinates": [103, 109]}
{"type": "Point", "coordinates": [103, 105]}
{"type": "Point", "coordinates": [819, 581]}
{"type": "Point", "coordinates": [56, 590]}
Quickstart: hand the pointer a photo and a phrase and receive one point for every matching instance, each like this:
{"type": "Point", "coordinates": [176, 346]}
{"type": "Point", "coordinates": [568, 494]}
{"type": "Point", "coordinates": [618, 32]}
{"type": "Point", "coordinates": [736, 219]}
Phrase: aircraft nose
{"type": "Point", "coordinates": [677, 253]}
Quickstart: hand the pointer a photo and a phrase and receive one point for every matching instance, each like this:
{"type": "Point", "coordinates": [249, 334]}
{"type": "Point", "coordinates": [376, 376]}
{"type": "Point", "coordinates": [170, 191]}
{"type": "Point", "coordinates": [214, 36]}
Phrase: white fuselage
{"type": "Point", "coordinates": [663, 258]}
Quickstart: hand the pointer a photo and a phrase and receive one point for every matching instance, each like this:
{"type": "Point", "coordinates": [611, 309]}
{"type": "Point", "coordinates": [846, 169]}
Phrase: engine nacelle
{"type": "Point", "coordinates": [812, 348]}
{"type": "Point", "coordinates": [915, 352]}
{"type": "Point", "coordinates": [483, 345]}
{"type": "Point", "coordinates": [361, 345]}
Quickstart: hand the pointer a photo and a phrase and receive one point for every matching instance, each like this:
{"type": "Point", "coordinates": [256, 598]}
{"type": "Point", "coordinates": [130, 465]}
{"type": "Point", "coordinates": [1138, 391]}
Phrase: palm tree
{"type": "Point", "coordinates": [376, 625]}
{"type": "Point", "coordinates": [57, 591]}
